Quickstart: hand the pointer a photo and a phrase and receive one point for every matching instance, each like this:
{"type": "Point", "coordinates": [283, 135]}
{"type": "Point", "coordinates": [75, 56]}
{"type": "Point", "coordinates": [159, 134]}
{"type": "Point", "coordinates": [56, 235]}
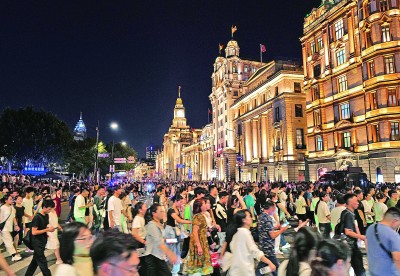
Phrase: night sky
{"type": "Point", "coordinates": [122, 61]}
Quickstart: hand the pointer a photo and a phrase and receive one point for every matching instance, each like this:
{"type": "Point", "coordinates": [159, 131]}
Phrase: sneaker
{"type": "Point", "coordinates": [16, 258]}
{"type": "Point", "coordinates": [286, 246]}
{"type": "Point", "coordinates": [28, 250]}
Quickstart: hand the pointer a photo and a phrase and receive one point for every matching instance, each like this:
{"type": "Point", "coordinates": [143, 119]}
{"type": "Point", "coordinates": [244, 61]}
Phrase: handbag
{"type": "Point", "coordinates": [226, 261]}
{"type": "Point", "coordinates": [4, 223]}
{"type": "Point", "coordinates": [27, 240]}
{"type": "Point", "coordinates": [177, 231]}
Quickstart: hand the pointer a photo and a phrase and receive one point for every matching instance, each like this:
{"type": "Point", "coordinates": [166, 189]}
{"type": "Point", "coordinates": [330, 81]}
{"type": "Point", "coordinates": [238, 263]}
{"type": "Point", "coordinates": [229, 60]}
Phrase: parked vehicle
{"type": "Point", "coordinates": [353, 176]}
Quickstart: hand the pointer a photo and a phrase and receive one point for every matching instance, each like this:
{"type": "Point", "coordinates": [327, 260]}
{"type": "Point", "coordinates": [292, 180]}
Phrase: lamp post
{"type": "Point", "coordinates": [113, 126]}
{"type": "Point", "coordinates": [96, 167]}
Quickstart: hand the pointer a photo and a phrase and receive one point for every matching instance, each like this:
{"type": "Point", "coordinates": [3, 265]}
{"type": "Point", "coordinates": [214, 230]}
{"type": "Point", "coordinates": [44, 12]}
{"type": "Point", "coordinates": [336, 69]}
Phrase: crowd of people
{"type": "Point", "coordinates": [201, 228]}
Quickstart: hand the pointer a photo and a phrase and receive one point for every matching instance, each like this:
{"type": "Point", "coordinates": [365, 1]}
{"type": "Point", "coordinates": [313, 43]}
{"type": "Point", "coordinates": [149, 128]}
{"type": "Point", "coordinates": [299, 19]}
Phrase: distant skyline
{"type": "Point", "coordinates": [122, 61]}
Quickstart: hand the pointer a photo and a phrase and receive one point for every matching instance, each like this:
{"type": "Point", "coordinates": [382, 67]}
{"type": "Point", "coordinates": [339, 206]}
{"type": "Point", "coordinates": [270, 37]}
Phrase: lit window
{"type": "Point", "coordinates": [375, 136]}
{"type": "Point", "coordinates": [340, 57]}
{"type": "Point", "coordinates": [368, 39]}
{"type": "Point", "coordinates": [315, 92]}
{"type": "Point", "coordinates": [317, 70]}
{"type": "Point", "coordinates": [345, 111]}
{"type": "Point", "coordinates": [319, 143]}
{"type": "Point", "coordinates": [392, 97]}
{"type": "Point", "coordinates": [339, 29]}
{"type": "Point", "coordinates": [389, 65]}
{"type": "Point", "coordinates": [342, 83]}
{"type": "Point", "coordinates": [313, 48]}
{"type": "Point", "coordinates": [372, 101]}
{"type": "Point", "coordinates": [386, 33]}
{"type": "Point", "coordinates": [246, 69]}
{"type": "Point", "coordinates": [320, 43]}
{"type": "Point", "coordinates": [299, 138]}
{"type": "Point", "coordinates": [394, 131]}
{"type": "Point", "coordinates": [317, 118]}
{"type": "Point", "coordinates": [346, 140]}
{"type": "Point", "coordinates": [297, 87]}
{"type": "Point", "coordinates": [371, 69]}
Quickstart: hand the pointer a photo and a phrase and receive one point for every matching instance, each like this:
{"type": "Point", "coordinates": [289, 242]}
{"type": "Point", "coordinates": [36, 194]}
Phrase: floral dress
{"type": "Point", "coordinates": [199, 264]}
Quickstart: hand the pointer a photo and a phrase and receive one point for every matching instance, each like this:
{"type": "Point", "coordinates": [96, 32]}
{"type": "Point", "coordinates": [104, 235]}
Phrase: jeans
{"type": "Point", "coordinates": [38, 259]}
{"type": "Point", "coordinates": [283, 241]}
{"type": "Point", "coordinates": [357, 261]}
{"type": "Point", "coordinates": [156, 266]}
{"type": "Point", "coordinates": [170, 233]}
{"type": "Point", "coordinates": [274, 260]}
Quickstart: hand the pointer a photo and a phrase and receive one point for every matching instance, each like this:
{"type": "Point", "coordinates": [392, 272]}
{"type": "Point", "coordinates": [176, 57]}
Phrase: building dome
{"type": "Point", "coordinates": [232, 43]}
{"type": "Point", "coordinates": [232, 49]}
{"type": "Point", "coordinates": [178, 101]}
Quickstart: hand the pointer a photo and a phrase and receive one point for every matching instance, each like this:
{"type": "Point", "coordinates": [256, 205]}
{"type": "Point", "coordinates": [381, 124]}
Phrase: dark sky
{"type": "Point", "coordinates": [122, 61]}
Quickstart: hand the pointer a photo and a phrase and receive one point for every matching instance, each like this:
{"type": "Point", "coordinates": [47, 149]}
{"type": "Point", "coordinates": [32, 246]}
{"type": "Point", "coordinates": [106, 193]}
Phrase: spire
{"type": "Point", "coordinates": [80, 129]}
{"type": "Point", "coordinates": [179, 100]}
{"type": "Point", "coordinates": [80, 117]}
{"type": "Point", "coordinates": [179, 91]}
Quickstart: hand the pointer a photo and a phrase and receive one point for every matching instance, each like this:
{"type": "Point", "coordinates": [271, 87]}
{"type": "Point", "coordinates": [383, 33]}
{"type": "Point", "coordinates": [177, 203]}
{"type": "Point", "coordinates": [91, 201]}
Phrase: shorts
{"type": "Point", "coordinates": [302, 217]}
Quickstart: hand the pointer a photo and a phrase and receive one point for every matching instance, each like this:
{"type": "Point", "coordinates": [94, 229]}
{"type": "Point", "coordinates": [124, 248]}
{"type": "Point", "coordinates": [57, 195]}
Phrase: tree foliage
{"type": "Point", "coordinates": [122, 151]}
{"type": "Point", "coordinates": [38, 137]}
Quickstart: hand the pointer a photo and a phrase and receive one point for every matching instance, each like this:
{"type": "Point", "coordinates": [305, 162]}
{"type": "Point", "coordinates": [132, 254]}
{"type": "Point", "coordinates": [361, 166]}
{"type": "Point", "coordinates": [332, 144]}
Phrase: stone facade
{"type": "Point", "coordinates": [351, 60]}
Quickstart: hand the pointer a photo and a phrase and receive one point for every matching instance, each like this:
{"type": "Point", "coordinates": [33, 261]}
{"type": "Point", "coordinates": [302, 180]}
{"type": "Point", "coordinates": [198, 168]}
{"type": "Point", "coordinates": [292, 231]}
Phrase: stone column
{"type": "Point", "coordinates": [248, 148]}
{"type": "Point", "coordinates": [255, 137]}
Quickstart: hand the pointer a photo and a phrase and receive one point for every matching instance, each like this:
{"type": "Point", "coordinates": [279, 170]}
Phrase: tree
{"type": "Point", "coordinates": [122, 151]}
{"type": "Point", "coordinates": [34, 137]}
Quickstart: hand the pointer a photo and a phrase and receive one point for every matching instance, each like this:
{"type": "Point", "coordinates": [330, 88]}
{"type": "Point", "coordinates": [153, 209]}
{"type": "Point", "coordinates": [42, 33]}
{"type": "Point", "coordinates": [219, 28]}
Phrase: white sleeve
{"type": "Point", "coordinates": [111, 206]}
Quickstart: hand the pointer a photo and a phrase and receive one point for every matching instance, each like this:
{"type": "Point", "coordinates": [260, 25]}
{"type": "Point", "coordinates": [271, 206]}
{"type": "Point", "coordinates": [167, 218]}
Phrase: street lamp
{"type": "Point", "coordinates": [123, 143]}
{"type": "Point", "coordinates": [113, 126]}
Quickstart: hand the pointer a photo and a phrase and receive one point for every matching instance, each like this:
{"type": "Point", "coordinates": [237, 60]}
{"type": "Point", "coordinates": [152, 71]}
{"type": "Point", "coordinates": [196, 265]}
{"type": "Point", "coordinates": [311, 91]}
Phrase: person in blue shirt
{"type": "Point", "coordinates": [384, 256]}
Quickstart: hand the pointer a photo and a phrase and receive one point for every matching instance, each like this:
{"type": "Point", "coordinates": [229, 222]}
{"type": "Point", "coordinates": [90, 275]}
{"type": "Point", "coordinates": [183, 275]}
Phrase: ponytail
{"type": "Point", "coordinates": [149, 213]}
{"type": "Point", "coordinates": [136, 209]}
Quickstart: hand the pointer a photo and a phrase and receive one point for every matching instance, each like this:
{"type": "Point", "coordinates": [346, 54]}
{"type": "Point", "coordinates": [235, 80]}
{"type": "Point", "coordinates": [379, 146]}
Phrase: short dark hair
{"type": "Point", "coordinates": [111, 244]}
{"type": "Point", "coordinates": [67, 245]}
{"type": "Point", "coordinates": [222, 194]}
{"type": "Point", "coordinates": [198, 191]}
{"type": "Point", "coordinates": [393, 211]}
{"type": "Point", "coordinates": [48, 203]}
{"type": "Point", "coordinates": [340, 199]}
{"type": "Point", "coordinates": [267, 204]}
{"type": "Point", "coordinates": [197, 206]}
{"type": "Point", "coordinates": [160, 189]}
{"type": "Point", "coordinates": [391, 192]}
{"type": "Point", "coordinates": [212, 187]}
{"type": "Point", "coordinates": [29, 189]}
{"type": "Point", "coordinates": [274, 186]}
{"type": "Point", "coordinates": [347, 197]}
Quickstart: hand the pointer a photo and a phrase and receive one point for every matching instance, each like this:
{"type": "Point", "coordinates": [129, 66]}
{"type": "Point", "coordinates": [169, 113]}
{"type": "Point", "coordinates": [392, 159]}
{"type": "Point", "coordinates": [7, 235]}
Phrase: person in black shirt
{"type": "Point", "coordinates": [39, 238]}
{"type": "Point", "coordinates": [221, 211]}
{"type": "Point", "coordinates": [352, 232]}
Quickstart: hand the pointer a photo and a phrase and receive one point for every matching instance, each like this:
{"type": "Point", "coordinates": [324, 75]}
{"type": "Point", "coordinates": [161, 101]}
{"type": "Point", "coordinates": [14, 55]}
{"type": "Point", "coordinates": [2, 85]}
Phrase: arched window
{"type": "Point", "coordinates": [234, 68]}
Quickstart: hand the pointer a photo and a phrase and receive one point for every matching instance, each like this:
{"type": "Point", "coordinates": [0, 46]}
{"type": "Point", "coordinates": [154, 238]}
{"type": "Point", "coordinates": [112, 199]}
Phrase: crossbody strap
{"type": "Point", "coordinates": [380, 243]}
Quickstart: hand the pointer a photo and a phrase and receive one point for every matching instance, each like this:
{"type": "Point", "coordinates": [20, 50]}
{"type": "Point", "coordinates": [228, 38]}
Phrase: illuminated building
{"type": "Point", "coordinates": [229, 75]}
{"type": "Point", "coordinates": [270, 118]}
{"type": "Point", "coordinates": [80, 130]}
{"type": "Point", "coordinates": [151, 152]}
{"type": "Point", "coordinates": [170, 163]}
{"type": "Point", "coordinates": [351, 60]}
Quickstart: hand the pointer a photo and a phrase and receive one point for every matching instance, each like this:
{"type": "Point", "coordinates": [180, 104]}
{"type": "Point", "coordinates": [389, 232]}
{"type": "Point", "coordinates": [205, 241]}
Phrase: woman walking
{"type": "Point", "coordinates": [199, 259]}
{"type": "Point", "coordinates": [7, 215]}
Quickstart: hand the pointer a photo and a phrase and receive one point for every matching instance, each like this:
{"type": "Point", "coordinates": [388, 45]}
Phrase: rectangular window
{"type": "Point", "coordinates": [315, 92]}
{"type": "Point", "coordinates": [368, 39]}
{"type": "Point", "coordinates": [276, 91]}
{"type": "Point", "coordinates": [246, 68]}
{"type": "Point", "coordinates": [319, 143]}
{"type": "Point", "coordinates": [320, 43]}
{"type": "Point", "coordinates": [298, 110]}
{"type": "Point", "coordinates": [339, 29]}
{"type": "Point", "coordinates": [312, 47]}
{"type": "Point", "coordinates": [392, 97]}
{"type": "Point", "coordinates": [340, 57]}
{"type": "Point", "coordinates": [299, 137]}
{"type": "Point", "coordinates": [235, 93]}
{"type": "Point", "coordinates": [297, 87]}
{"type": "Point", "coordinates": [373, 101]}
{"type": "Point", "coordinates": [383, 5]}
{"type": "Point", "coordinates": [342, 83]}
{"type": "Point", "coordinates": [344, 111]}
{"type": "Point", "coordinates": [255, 103]}
{"type": "Point", "coordinates": [317, 118]}
{"type": "Point", "coordinates": [386, 33]}
{"type": "Point", "coordinates": [371, 69]}
{"type": "Point", "coordinates": [346, 140]}
{"type": "Point", "coordinates": [389, 65]}
{"type": "Point", "coordinates": [375, 136]}
{"type": "Point", "coordinates": [317, 70]}
{"type": "Point", "coordinates": [277, 114]}
{"type": "Point", "coordinates": [394, 131]}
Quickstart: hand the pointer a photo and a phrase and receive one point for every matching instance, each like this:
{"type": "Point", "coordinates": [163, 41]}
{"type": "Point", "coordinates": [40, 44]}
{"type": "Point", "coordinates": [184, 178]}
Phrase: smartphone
{"type": "Point", "coordinates": [265, 270]}
{"type": "Point", "coordinates": [168, 241]}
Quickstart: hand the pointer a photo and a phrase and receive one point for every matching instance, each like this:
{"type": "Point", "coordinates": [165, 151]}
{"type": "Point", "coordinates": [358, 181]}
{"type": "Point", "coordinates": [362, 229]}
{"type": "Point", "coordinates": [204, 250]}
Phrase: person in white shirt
{"type": "Point", "coordinates": [115, 209]}
{"type": "Point", "coordinates": [7, 215]}
{"type": "Point", "coordinates": [380, 207]}
{"type": "Point", "coordinates": [324, 215]}
{"type": "Point", "coordinates": [337, 211]}
{"type": "Point", "coordinates": [80, 206]}
{"type": "Point", "coordinates": [244, 249]}
{"type": "Point", "coordinates": [27, 202]}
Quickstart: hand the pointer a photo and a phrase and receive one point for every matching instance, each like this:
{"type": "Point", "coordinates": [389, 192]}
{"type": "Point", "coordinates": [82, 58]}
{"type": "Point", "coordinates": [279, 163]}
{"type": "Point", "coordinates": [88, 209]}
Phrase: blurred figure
{"type": "Point", "coordinates": [332, 259]}
{"type": "Point", "coordinates": [75, 244]}
{"type": "Point", "coordinates": [114, 253]}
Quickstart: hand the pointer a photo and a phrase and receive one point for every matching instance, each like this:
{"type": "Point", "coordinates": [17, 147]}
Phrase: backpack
{"type": "Point", "coordinates": [339, 230]}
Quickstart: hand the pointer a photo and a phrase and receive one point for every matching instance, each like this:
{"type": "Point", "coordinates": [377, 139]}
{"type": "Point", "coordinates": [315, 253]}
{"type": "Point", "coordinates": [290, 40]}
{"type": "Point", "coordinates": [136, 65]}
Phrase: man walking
{"type": "Point", "coordinates": [80, 206]}
{"type": "Point", "coordinates": [115, 209]}
{"type": "Point", "coordinates": [39, 238]}
{"type": "Point", "coordinates": [384, 245]}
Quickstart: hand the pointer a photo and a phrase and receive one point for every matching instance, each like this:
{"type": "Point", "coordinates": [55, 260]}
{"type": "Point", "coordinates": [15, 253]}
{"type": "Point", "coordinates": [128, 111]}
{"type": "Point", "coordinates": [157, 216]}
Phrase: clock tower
{"type": "Point", "coordinates": [179, 120]}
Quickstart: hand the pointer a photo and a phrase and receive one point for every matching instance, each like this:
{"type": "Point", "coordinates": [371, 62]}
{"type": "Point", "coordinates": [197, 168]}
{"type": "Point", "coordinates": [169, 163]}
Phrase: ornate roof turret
{"type": "Point", "coordinates": [80, 130]}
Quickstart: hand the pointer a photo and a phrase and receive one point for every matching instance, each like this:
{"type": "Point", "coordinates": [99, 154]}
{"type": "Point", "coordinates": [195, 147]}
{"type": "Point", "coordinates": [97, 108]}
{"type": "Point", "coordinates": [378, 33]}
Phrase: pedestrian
{"type": "Point", "coordinates": [115, 209]}
{"type": "Point", "coordinates": [19, 215]}
{"type": "Point", "coordinates": [52, 240]}
{"type": "Point", "coordinates": [81, 207]}
{"type": "Point", "coordinates": [40, 228]}
{"type": "Point", "coordinates": [243, 248]}
{"type": "Point", "coordinates": [267, 234]}
{"type": "Point", "coordinates": [7, 216]}
{"type": "Point", "coordinates": [332, 259]}
{"type": "Point", "coordinates": [337, 211]}
{"type": "Point", "coordinates": [302, 253]}
{"type": "Point", "coordinates": [156, 251]}
{"type": "Point", "coordinates": [139, 231]}
{"type": "Point", "coordinates": [27, 202]}
{"type": "Point", "coordinates": [351, 230]}
{"type": "Point", "coordinates": [383, 251]}
{"type": "Point", "coordinates": [114, 253]}
{"type": "Point", "coordinates": [301, 207]}
{"type": "Point", "coordinates": [380, 207]}
{"type": "Point", "coordinates": [324, 215]}
{"type": "Point", "coordinates": [75, 244]}
{"type": "Point", "coordinates": [199, 259]}
{"type": "Point", "coordinates": [98, 209]}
